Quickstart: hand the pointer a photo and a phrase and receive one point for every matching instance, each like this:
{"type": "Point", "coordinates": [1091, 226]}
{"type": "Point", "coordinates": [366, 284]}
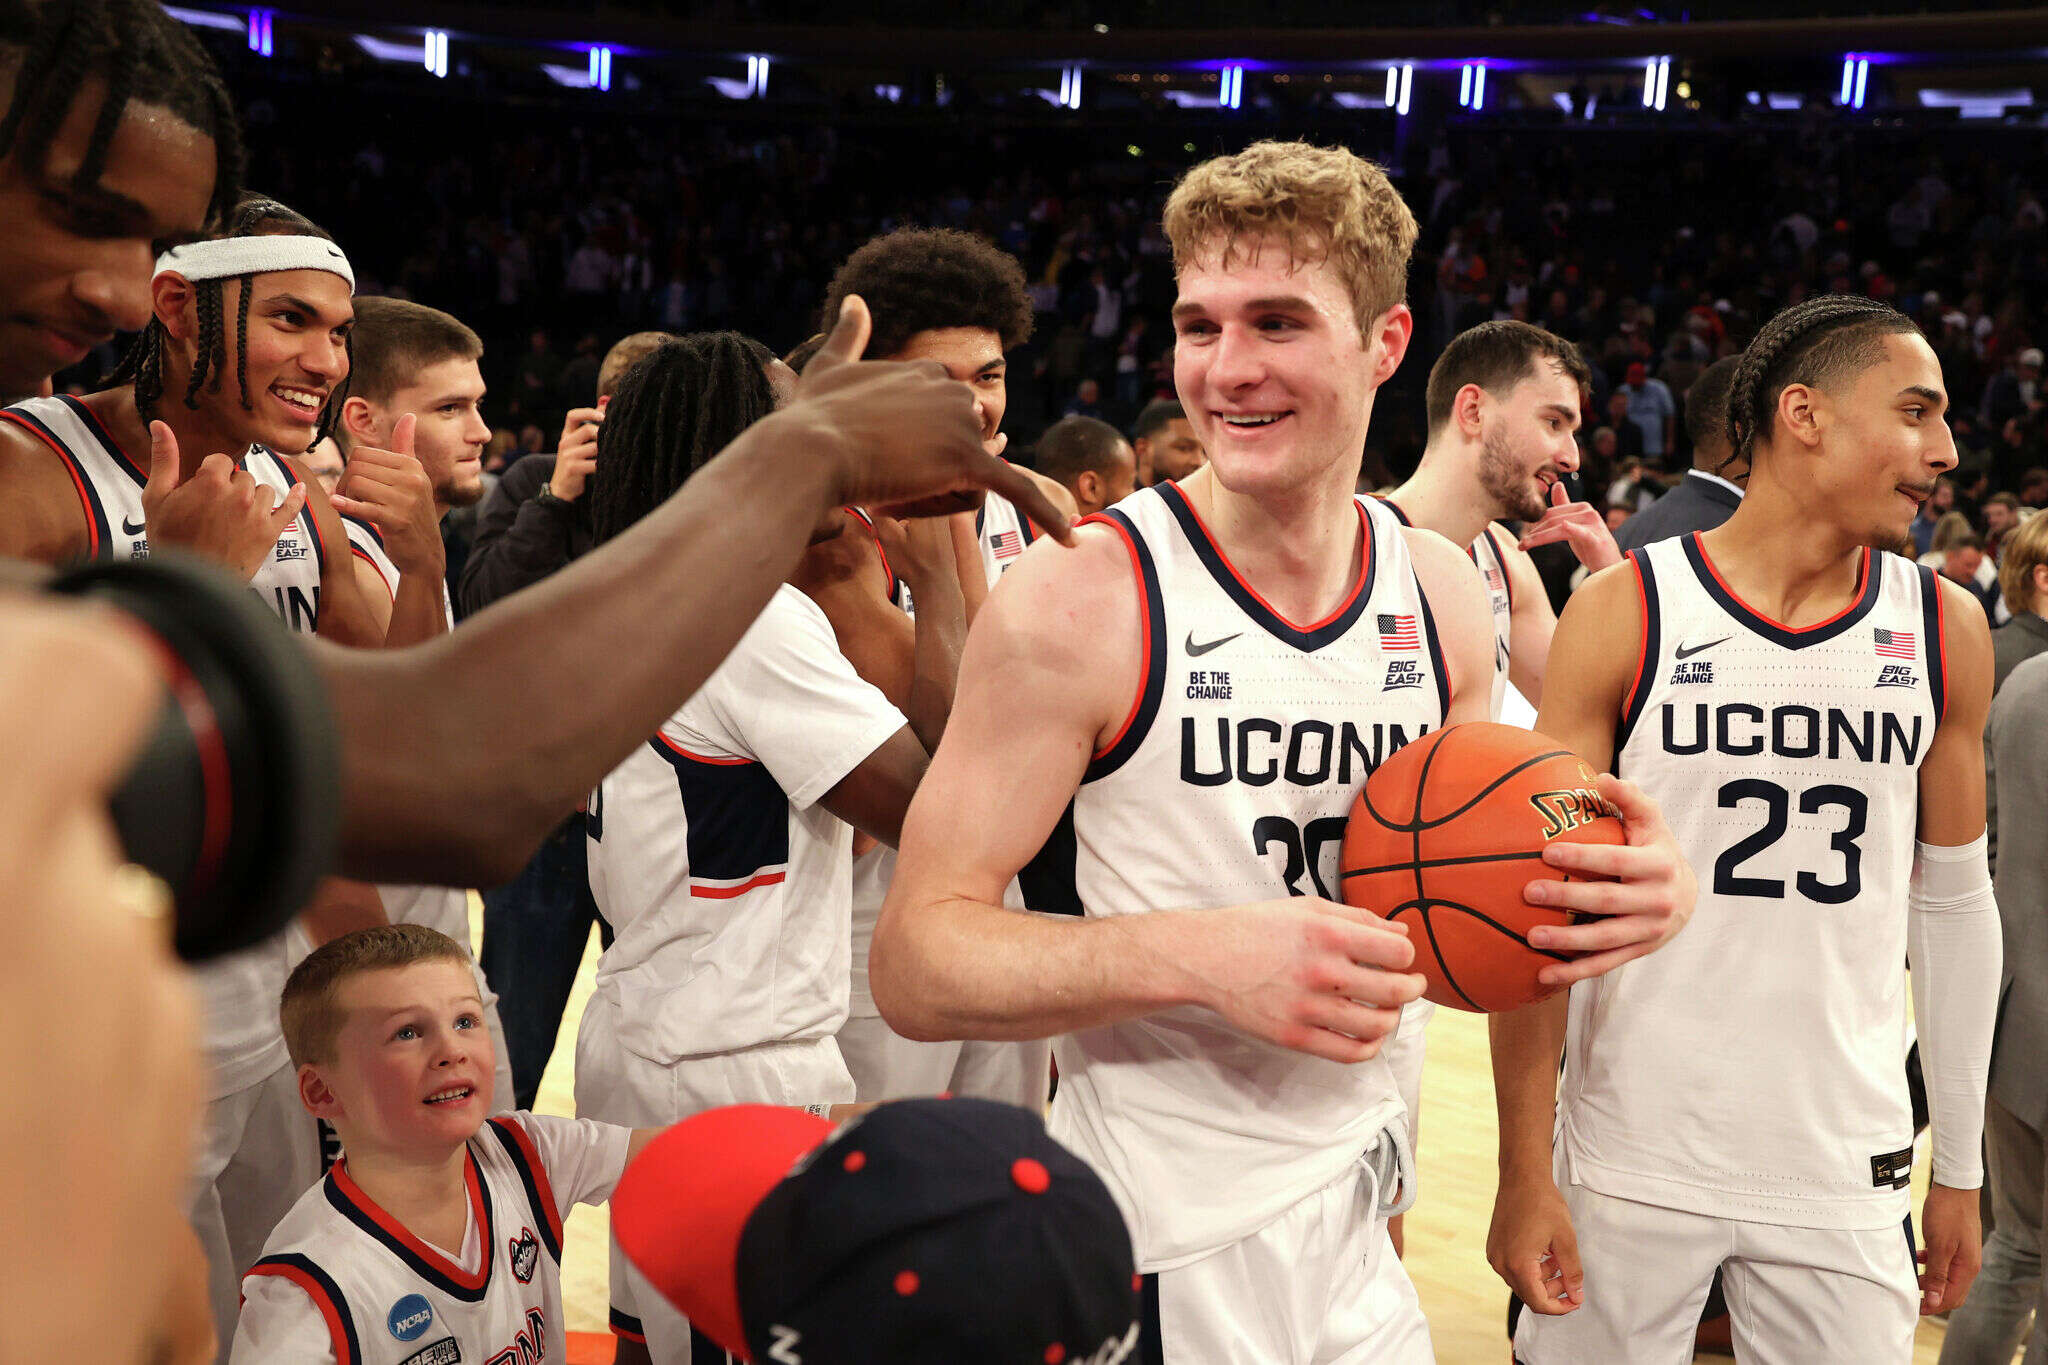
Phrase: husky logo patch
{"type": "Point", "coordinates": [525, 1254]}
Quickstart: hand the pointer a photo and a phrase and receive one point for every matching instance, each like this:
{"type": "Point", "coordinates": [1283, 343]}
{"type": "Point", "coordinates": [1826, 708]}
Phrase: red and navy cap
{"type": "Point", "coordinates": [925, 1231]}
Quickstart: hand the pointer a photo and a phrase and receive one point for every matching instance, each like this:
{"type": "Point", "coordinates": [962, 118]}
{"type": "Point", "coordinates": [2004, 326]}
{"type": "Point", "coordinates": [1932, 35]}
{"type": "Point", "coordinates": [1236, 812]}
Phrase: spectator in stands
{"type": "Point", "coordinates": [1086, 402]}
{"type": "Point", "coordinates": [1165, 443]}
{"type": "Point", "coordinates": [1963, 561]}
{"type": "Point", "coordinates": [2023, 579]}
{"type": "Point", "coordinates": [1707, 495]}
{"type": "Point", "coordinates": [1091, 459]}
{"type": "Point", "coordinates": [2013, 392]}
{"type": "Point", "coordinates": [1942, 500]}
{"type": "Point", "coordinates": [1628, 437]}
{"type": "Point", "coordinates": [2001, 516]}
{"type": "Point", "coordinates": [1652, 409]}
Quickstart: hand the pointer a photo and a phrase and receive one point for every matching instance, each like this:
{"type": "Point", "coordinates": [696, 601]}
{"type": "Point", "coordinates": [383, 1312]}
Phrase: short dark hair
{"type": "Point", "coordinates": [1076, 445]}
{"type": "Point", "coordinates": [2003, 499]}
{"type": "Point", "coordinates": [677, 407]}
{"type": "Point", "coordinates": [1496, 356]}
{"type": "Point", "coordinates": [255, 215]}
{"type": "Point", "coordinates": [142, 54]}
{"type": "Point", "coordinates": [1706, 412]}
{"type": "Point", "coordinates": [1155, 415]}
{"type": "Point", "coordinates": [920, 279]}
{"type": "Point", "coordinates": [1813, 342]}
{"type": "Point", "coordinates": [394, 339]}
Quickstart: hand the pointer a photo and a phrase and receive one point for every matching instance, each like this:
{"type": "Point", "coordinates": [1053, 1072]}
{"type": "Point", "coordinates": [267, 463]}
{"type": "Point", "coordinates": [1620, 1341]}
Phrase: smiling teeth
{"type": "Point", "coordinates": [1264, 421]}
{"type": "Point", "coordinates": [299, 398]}
{"type": "Point", "coordinates": [459, 1093]}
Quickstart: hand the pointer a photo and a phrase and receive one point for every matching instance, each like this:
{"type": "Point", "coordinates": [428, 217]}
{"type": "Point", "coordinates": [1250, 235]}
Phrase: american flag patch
{"type": "Point", "coordinates": [1398, 632]}
{"type": "Point", "coordinates": [1006, 544]}
{"type": "Point", "coordinates": [1493, 581]}
{"type": "Point", "coordinates": [1893, 644]}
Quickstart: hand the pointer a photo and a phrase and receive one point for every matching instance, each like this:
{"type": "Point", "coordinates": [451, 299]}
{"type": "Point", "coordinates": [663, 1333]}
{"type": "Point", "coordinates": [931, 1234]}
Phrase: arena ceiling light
{"type": "Point", "coordinates": [1855, 71]}
{"type": "Point", "coordinates": [205, 18]}
{"type": "Point", "coordinates": [1400, 80]}
{"type": "Point", "coordinates": [1070, 87]}
{"type": "Point", "coordinates": [1230, 88]}
{"type": "Point", "coordinates": [1978, 103]}
{"type": "Point", "coordinates": [259, 30]}
{"type": "Point", "coordinates": [434, 52]}
{"type": "Point", "coordinates": [1656, 82]}
{"type": "Point", "coordinates": [1472, 86]}
{"type": "Point", "coordinates": [385, 50]}
{"type": "Point", "coordinates": [600, 68]}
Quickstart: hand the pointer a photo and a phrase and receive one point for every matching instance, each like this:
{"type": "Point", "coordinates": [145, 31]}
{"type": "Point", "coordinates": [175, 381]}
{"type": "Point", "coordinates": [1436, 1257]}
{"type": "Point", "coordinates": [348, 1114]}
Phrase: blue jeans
{"type": "Point", "coordinates": [535, 928]}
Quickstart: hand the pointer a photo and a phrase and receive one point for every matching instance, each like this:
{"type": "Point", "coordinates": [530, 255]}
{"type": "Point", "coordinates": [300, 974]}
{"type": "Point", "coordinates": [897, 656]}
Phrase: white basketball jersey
{"type": "Point", "coordinates": [1229, 782]}
{"type": "Point", "coordinates": [341, 1273]}
{"type": "Point", "coordinates": [1492, 563]}
{"type": "Point", "coordinates": [238, 992]}
{"type": "Point", "coordinates": [1750, 1068]}
{"type": "Point", "coordinates": [728, 886]}
{"type": "Point", "coordinates": [1004, 532]}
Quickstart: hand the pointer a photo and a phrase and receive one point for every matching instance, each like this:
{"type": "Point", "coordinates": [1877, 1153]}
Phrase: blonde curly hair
{"type": "Point", "coordinates": [1325, 203]}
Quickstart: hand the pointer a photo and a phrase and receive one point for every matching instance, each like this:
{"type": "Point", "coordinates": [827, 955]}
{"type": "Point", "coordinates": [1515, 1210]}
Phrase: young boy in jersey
{"type": "Point", "coordinates": [721, 851]}
{"type": "Point", "coordinates": [1810, 712]}
{"type": "Point", "coordinates": [1204, 678]}
{"type": "Point", "coordinates": [934, 294]}
{"type": "Point", "coordinates": [438, 1236]}
{"type": "Point", "coordinates": [1503, 404]}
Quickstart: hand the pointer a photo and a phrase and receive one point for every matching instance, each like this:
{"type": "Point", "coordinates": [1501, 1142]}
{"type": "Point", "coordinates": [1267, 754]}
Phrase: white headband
{"type": "Point", "coordinates": [231, 256]}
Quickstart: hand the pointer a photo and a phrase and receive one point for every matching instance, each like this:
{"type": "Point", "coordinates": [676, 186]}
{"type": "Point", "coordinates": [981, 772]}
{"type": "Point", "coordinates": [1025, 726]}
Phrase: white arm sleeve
{"type": "Point", "coordinates": [1956, 950]}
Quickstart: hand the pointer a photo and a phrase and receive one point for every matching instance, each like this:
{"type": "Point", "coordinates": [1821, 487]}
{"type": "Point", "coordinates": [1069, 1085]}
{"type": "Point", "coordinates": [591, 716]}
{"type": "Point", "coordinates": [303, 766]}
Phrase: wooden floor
{"type": "Point", "coordinates": [1446, 1231]}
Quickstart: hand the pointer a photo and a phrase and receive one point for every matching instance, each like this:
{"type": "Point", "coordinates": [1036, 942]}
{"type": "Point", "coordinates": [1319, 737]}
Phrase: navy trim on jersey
{"type": "Point", "coordinates": [1436, 654]}
{"type": "Point", "coordinates": [1937, 647]}
{"type": "Point", "coordinates": [342, 1315]}
{"type": "Point", "coordinates": [738, 817]}
{"type": "Point", "coordinates": [1249, 602]}
{"type": "Point", "coordinates": [106, 439]}
{"type": "Point", "coordinates": [627, 1326]}
{"type": "Point", "coordinates": [1151, 1340]}
{"type": "Point", "coordinates": [305, 515]}
{"type": "Point", "coordinates": [1646, 677]}
{"type": "Point", "coordinates": [1048, 880]}
{"type": "Point", "coordinates": [373, 1228]}
{"type": "Point", "coordinates": [540, 1200]}
{"type": "Point", "coordinates": [1399, 515]}
{"type": "Point", "coordinates": [1869, 588]}
{"type": "Point", "coordinates": [102, 537]}
{"type": "Point", "coordinates": [1139, 723]}
{"type": "Point", "coordinates": [369, 526]}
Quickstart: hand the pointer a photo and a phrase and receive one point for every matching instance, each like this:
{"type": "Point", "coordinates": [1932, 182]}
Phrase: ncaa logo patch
{"type": "Point", "coordinates": [525, 1253]}
{"type": "Point", "coordinates": [410, 1317]}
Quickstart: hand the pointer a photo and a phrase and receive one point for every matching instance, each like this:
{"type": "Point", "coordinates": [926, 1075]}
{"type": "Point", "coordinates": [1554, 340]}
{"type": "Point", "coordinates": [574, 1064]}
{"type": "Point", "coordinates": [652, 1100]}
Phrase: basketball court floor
{"type": "Point", "coordinates": [1446, 1232]}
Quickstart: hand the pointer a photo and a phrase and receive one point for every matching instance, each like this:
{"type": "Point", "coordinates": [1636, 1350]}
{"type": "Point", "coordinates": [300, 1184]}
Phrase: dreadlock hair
{"type": "Point", "coordinates": [919, 279]}
{"type": "Point", "coordinates": [143, 365]}
{"type": "Point", "coordinates": [677, 407]}
{"type": "Point", "coordinates": [1811, 343]}
{"type": "Point", "coordinates": [142, 54]}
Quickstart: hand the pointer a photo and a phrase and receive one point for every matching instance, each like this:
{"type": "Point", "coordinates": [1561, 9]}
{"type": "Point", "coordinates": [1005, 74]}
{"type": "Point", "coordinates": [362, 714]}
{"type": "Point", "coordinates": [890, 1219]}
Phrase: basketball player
{"type": "Point", "coordinates": [721, 851]}
{"type": "Point", "coordinates": [1219, 1066]}
{"type": "Point", "coordinates": [948, 296]}
{"type": "Point", "coordinates": [1090, 459]}
{"type": "Point", "coordinates": [1165, 443]}
{"type": "Point", "coordinates": [1810, 712]}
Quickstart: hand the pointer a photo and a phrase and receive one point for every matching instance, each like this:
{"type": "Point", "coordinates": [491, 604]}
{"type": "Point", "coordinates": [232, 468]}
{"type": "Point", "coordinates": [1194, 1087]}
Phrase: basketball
{"type": "Point", "coordinates": [1445, 835]}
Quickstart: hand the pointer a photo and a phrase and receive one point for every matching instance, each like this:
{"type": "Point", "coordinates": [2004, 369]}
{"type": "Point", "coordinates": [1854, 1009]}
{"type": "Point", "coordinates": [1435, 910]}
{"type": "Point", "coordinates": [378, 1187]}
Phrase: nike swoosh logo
{"type": "Point", "coordinates": [1196, 651]}
{"type": "Point", "coordinates": [133, 528]}
{"type": "Point", "coordinates": [1685, 653]}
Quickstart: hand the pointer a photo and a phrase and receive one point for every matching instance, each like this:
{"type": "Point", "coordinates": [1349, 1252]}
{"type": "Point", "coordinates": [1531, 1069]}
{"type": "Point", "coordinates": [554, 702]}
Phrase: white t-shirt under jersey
{"type": "Point", "coordinates": [1231, 783]}
{"type": "Point", "coordinates": [1750, 1068]}
{"type": "Point", "coordinates": [342, 1283]}
{"type": "Point", "coordinates": [238, 993]}
{"type": "Point", "coordinates": [728, 886]}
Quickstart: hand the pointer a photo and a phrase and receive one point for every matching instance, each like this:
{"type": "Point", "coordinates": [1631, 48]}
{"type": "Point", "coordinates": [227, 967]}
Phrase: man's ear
{"type": "Point", "coordinates": [1088, 487]}
{"type": "Point", "coordinates": [172, 298]}
{"type": "Point", "coordinates": [359, 420]}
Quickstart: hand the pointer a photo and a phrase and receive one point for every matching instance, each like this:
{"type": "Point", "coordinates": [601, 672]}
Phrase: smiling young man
{"type": "Point", "coordinates": [1203, 678]}
{"type": "Point", "coordinates": [1811, 713]}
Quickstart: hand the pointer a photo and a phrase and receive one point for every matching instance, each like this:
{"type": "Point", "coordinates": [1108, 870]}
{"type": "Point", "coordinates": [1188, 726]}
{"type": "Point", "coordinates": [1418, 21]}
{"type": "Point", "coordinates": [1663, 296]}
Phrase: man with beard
{"type": "Point", "coordinates": [1503, 403]}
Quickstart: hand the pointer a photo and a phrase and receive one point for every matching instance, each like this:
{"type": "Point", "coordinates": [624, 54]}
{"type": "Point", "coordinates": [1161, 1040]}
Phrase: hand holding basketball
{"type": "Point", "coordinates": [1305, 973]}
{"type": "Point", "coordinates": [1642, 892]}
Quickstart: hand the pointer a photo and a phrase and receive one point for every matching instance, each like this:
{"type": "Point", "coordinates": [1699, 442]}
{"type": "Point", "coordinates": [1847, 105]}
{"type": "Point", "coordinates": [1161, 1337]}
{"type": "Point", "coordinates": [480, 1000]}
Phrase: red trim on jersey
{"type": "Point", "coordinates": [681, 752]}
{"type": "Point", "coordinates": [397, 1231]}
{"type": "Point", "coordinates": [1855, 597]}
{"type": "Point", "coordinates": [389, 588]}
{"type": "Point", "coordinates": [1144, 627]}
{"type": "Point", "coordinates": [1635, 683]}
{"type": "Point", "coordinates": [92, 419]}
{"type": "Point", "coordinates": [888, 573]}
{"type": "Point", "coordinates": [337, 1335]}
{"type": "Point", "coordinates": [516, 1130]}
{"type": "Point", "coordinates": [1357, 584]}
{"type": "Point", "coordinates": [92, 530]}
{"type": "Point", "coordinates": [726, 893]}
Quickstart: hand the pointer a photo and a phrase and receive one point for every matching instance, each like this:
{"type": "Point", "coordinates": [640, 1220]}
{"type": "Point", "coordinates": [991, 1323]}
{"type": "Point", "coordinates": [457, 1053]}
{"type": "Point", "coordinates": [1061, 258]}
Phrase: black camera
{"type": "Point", "coordinates": [233, 798]}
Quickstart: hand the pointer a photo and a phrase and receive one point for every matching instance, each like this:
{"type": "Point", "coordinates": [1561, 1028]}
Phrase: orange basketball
{"type": "Point", "coordinates": [1444, 837]}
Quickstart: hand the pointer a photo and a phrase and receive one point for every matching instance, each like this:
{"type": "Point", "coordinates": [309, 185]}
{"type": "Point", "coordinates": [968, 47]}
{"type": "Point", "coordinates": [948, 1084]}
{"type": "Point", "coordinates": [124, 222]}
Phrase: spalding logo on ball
{"type": "Point", "coordinates": [1444, 837]}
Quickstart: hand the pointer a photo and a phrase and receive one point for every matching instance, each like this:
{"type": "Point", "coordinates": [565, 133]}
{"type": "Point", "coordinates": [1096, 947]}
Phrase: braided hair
{"type": "Point", "coordinates": [143, 365]}
{"type": "Point", "coordinates": [1809, 343]}
{"type": "Point", "coordinates": [140, 53]}
{"type": "Point", "coordinates": [676, 408]}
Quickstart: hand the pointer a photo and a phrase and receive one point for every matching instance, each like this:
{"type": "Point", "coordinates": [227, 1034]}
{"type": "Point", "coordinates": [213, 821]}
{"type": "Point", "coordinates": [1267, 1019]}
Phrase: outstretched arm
{"type": "Point", "coordinates": [452, 773]}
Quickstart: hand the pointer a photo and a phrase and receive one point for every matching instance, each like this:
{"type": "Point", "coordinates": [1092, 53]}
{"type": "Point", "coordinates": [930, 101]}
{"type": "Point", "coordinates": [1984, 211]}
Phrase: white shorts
{"type": "Point", "coordinates": [259, 1151]}
{"type": "Point", "coordinates": [1796, 1296]}
{"type": "Point", "coordinates": [1319, 1285]}
{"type": "Point", "coordinates": [617, 1086]}
{"type": "Point", "coordinates": [888, 1066]}
{"type": "Point", "coordinates": [1404, 1053]}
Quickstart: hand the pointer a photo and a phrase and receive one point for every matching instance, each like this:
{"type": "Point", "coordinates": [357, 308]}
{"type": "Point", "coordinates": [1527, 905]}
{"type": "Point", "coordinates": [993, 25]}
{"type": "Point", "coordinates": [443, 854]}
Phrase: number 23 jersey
{"type": "Point", "coordinates": [1230, 783]}
{"type": "Point", "coordinates": [1754, 1067]}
